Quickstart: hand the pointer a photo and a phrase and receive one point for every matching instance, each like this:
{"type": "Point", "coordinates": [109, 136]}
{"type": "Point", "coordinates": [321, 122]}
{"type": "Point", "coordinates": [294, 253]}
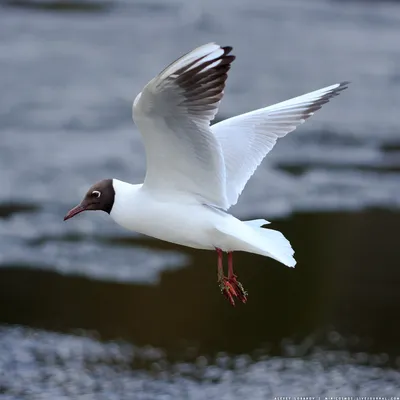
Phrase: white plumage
{"type": "Point", "coordinates": [192, 167]}
{"type": "Point", "coordinates": [246, 139]}
{"type": "Point", "coordinates": [195, 171]}
{"type": "Point", "coordinates": [182, 153]}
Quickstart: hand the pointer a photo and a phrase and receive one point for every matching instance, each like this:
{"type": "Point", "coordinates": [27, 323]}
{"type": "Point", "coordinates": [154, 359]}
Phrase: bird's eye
{"type": "Point", "coordinates": [96, 193]}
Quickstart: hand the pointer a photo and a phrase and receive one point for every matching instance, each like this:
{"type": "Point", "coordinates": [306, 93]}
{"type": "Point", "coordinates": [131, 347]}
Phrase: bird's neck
{"type": "Point", "coordinates": [126, 195]}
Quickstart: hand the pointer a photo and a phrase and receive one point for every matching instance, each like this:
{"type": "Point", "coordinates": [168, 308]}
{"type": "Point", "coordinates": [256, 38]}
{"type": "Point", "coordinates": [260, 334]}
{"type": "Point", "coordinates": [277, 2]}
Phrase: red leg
{"type": "Point", "coordinates": [230, 265]}
{"type": "Point", "coordinates": [220, 265]}
{"type": "Point", "coordinates": [229, 286]}
{"type": "Point", "coordinates": [239, 289]}
{"type": "Point", "coordinates": [226, 288]}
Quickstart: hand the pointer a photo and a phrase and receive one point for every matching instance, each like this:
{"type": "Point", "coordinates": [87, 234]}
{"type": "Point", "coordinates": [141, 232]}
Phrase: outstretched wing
{"type": "Point", "coordinates": [173, 114]}
{"type": "Point", "coordinates": [246, 139]}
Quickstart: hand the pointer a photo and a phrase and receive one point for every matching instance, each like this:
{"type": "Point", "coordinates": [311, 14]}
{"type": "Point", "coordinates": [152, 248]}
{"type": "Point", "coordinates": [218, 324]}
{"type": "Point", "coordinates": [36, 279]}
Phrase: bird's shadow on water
{"type": "Point", "coordinates": [346, 277]}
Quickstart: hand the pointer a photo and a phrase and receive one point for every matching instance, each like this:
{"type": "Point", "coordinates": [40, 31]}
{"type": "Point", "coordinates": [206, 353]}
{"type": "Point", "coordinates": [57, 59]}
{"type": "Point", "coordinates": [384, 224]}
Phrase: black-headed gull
{"type": "Point", "coordinates": [196, 172]}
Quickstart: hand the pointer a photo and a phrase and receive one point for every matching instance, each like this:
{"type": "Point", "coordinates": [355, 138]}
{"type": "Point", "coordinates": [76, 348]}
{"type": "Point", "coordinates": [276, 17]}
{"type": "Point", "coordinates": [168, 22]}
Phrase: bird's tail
{"type": "Point", "coordinates": [271, 243]}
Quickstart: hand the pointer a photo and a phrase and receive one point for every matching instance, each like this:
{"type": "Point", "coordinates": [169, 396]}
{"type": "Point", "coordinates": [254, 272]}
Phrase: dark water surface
{"type": "Point", "coordinates": [338, 284]}
{"type": "Point", "coordinates": [90, 311]}
{"type": "Point", "coordinates": [331, 321]}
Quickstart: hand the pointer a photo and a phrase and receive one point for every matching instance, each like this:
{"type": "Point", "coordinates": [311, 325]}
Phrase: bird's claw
{"type": "Point", "coordinates": [231, 287]}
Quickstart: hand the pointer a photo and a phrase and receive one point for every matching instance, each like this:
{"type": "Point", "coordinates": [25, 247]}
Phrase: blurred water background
{"type": "Point", "coordinates": [90, 311]}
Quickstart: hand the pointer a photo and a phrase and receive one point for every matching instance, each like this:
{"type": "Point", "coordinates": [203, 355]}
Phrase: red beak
{"type": "Point", "coordinates": [76, 210]}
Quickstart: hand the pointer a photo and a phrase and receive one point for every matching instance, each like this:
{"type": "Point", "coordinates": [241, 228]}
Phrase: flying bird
{"type": "Point", "coordinates": [195, 171]}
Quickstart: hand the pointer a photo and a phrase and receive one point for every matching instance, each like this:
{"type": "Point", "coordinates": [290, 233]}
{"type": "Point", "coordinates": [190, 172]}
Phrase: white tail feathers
{"type": "Point", "coordinates": [256, 223]}
{"type": "Point", "coordinates": [278, 247]}
{"type": "Point", "coordinates": [272, 243]}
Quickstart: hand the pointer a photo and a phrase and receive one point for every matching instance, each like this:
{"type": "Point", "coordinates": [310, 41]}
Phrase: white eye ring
{"type": "Point", "coordinates": [96, 193]}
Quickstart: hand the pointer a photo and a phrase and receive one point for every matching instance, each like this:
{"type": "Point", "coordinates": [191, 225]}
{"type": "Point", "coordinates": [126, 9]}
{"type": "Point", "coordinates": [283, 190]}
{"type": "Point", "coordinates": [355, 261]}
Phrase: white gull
{"type": "Point", "coordinates": [196, 172]}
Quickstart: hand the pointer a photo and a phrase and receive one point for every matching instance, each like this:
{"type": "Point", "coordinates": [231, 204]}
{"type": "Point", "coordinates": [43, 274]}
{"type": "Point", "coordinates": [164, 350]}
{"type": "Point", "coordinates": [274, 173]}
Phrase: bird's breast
{"type": "Point", "coordinates": [185, 224]}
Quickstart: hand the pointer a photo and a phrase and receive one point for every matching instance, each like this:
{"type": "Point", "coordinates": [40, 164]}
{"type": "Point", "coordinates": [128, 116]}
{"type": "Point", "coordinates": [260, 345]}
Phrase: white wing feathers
{"type": "Point", "coordinates": [173, 114]}
{"type": "Point", "coordinates": [246, 139]}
